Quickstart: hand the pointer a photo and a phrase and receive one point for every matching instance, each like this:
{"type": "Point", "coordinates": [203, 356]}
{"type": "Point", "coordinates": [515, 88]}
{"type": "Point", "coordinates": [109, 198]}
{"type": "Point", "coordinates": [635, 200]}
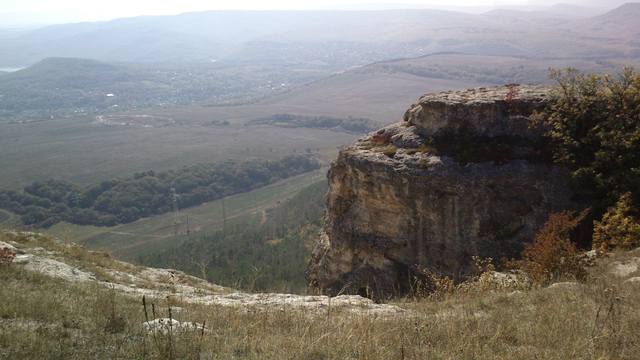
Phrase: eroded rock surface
{"type": "Point", "coordinates": [401, 199]}
{"type": "Point", "coordinates": [493, 111]}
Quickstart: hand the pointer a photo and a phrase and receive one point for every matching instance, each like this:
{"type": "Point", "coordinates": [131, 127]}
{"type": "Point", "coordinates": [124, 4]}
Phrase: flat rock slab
{"type": "Point", "coordinates": [53, 268]}
{"type": "Point", "coordinates": [493, 111]}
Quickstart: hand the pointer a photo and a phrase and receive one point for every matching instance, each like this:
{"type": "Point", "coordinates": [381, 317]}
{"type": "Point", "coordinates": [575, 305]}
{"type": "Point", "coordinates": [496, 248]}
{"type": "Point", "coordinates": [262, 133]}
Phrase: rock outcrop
{"type": "Point", "coordinates": [488, 111]}
{"type": "Point", "coordinates": [461, 176]}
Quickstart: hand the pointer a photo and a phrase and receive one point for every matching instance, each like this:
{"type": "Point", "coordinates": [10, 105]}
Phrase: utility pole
{"type": "Point", "coordinates": [176, 220]}
{"type": "Point", "coordinates": [224, 220]}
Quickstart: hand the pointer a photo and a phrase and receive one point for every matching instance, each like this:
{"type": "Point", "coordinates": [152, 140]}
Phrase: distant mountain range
{"type": "Point", "coordinates": [337, 39]}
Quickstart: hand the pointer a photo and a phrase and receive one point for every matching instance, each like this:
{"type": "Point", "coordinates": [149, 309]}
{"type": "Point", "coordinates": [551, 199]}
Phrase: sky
{"type": "Point", "coordinates": [17, 12]}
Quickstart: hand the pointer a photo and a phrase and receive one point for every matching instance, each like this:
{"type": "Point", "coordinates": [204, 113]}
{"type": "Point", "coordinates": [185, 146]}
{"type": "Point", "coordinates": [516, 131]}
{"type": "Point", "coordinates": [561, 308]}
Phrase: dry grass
{"type": "Point", "coordinates": [45, 318]}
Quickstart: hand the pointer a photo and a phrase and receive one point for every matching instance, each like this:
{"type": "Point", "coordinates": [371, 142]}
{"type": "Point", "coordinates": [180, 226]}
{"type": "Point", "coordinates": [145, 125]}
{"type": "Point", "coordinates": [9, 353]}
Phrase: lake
{"type": "Point", "coordinates": [10, 69]}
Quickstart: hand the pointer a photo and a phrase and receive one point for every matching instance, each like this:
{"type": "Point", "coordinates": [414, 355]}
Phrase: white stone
{"type": "Point", "coordinates": [53, 268]}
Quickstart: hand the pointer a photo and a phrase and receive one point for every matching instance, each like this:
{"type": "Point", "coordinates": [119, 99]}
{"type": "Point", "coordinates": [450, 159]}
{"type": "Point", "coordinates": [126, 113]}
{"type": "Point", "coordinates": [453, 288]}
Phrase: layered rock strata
{"type": "Point", "coordinates": [401, 199]}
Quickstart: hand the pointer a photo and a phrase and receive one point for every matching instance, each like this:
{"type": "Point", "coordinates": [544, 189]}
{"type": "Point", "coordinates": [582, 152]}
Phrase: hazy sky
{"type": "Point", "coordinates": [55, 11]}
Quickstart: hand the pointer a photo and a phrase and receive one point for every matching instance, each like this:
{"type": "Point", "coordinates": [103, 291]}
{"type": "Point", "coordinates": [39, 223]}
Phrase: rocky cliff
{"type": "Point", "coordinates": [461, 176]}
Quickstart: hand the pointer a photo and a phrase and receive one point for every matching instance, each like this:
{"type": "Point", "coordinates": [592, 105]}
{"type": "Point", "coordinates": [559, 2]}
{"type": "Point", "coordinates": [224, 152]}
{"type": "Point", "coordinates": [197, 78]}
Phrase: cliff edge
{"type": "Point", "coordinates": [463, 175]}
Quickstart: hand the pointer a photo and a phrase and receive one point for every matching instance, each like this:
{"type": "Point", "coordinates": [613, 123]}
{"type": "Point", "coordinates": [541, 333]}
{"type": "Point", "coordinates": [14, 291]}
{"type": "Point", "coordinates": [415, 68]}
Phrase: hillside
{"type": "Point", "coordinates": [62, 83]}
{"type": "Point", "coordinates": [624, 15]}
{"type": "Point", "coordinates": [490, 69]}
{"type": "Point", "coordinates": [61, 300]}
{"type": "Point", "coordinates": [224, 241]}
{"type": "Point", "coordinates": [621, 21]}
{"type": "Point", "coordinates": [82, 85]}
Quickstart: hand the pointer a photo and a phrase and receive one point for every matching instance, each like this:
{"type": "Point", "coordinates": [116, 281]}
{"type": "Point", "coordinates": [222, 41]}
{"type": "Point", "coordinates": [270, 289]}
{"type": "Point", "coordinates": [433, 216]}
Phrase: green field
{"type": "Point", "coordinates": [80, 151]}
{"type": "Point", "coordinates": [130, 240]}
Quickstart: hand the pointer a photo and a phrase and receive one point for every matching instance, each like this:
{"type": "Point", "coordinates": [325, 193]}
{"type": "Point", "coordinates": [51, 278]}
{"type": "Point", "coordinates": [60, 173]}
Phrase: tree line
{"type": "Point", "coordinates": [124, 200]}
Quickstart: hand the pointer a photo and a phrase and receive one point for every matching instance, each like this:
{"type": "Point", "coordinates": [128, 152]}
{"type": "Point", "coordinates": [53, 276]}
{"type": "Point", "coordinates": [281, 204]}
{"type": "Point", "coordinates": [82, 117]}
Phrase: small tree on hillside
{"type": "Point", "coordinates": [553, 256]}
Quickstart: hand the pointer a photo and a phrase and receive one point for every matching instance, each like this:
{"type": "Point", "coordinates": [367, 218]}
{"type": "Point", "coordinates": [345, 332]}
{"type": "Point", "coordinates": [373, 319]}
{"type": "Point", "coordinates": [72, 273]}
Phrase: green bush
{"type": "Point", "coordinates": [618, 228]}
{"type": "Point", "coordinates": [593, 122]}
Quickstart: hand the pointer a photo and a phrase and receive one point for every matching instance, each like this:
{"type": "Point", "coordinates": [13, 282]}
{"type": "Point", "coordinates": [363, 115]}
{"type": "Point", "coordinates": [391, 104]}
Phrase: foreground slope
{"type": "Point", "coordinates": [61, 301]}
{"type": "Point", "coordinates": [42, 254]}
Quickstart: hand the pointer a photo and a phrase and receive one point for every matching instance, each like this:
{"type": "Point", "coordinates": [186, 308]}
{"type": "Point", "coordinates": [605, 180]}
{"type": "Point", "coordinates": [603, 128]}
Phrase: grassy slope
{"type": "Point", "coordinates": [45, 318]}
{"type": "Point", "coordinates": [130, 240]}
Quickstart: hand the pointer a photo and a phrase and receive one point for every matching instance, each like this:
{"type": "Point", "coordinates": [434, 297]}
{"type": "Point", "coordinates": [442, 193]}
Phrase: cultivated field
{"type": "Point", "coordinates": [81, 151]}
{"type": "Point", "coordinates": [86, 150]}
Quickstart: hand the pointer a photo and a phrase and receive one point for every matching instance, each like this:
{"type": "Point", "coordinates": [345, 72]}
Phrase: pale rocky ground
{"type": "Point", "coordinates": [155, 283]}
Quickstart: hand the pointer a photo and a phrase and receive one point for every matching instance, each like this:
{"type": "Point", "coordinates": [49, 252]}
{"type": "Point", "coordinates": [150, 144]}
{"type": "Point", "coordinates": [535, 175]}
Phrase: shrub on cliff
{"type": "Point", "coordinates": [619, 227]}
{"type": "Point", "coordinates": [594, 124]}
{"type": "Point", "coordinates": [552, 255]}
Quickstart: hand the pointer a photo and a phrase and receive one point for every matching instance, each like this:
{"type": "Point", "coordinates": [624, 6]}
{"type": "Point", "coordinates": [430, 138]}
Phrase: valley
{"type": "Point", "coordinates": [304, 180]}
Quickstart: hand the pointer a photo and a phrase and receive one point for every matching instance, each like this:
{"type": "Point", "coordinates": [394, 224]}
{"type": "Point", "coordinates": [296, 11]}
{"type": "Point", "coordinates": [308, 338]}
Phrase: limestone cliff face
{"type": "Point", "coordinates": [397, 200]}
